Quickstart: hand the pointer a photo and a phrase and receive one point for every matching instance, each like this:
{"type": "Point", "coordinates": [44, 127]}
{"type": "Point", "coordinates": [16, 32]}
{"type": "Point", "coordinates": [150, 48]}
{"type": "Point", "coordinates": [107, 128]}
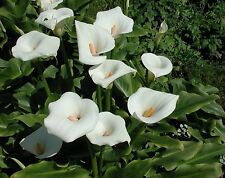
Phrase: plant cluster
{"type": "Point", "coordinates": [85, 96]}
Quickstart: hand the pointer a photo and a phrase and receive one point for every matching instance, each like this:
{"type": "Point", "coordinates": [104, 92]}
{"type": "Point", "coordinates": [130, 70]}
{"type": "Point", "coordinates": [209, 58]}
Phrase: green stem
{"type": "Point", "coordinates": [99, 97]}
{"type": "Point", "coordinates": [101, 161]}
{"type": "Point", "coordinates": [68, 69]}
{"type": "Point", "coordinates": [126, 6]}
{"type": "Point", "coordinates": [108, 99]}
{"type": "Point", "coordinates": [93, 160]}
{"type": "Point", "coordinates": [40, 71]}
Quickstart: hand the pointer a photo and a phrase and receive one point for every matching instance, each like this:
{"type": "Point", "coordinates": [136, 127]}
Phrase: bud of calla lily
{"type": "Point", "coordinates": [108, 71]}
{"type": "Point", "coordinates": [34, 45]}
{"type": "Point", "coordinates": [158, 65]}
{"type": "Point", "coordinates": [114, 21]}
{"type": "Point", "coordinates": [92, 41]}
{"type": "Point", "coordinates": [110, 130]}
{"type": "Point", "coordinates": [52, 17]}
{"type": "Point", "coordinates": [41, 144]}
{"type": "Point", "coordinates": [49, 4]}
{"type": "Point", "coordinates": [163, 27]}
{"type": "Point", "coordinates": [151, 106]}
{"type": "Point", "coordinates": [71, 117]}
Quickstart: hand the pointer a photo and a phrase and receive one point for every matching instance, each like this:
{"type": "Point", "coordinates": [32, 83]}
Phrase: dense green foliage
{"type": "Point", "coordinates": [195, 45]}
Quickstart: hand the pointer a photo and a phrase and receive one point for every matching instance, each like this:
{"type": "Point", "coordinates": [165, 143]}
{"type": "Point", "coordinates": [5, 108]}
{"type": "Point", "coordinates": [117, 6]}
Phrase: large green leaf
{"type": "Point", "coordinates": [46, 169]}
{"type": "Point", "coordinates": [137, 168]}
{"type": "Point", "coordinates": [171, 158]}
{"type": "Point", "coordinates": [159, 141]}
{"type": "Point", "coordinates": [127, 84]}
{"type": "Point", "coordinates": [209, 153]}
{"type": "Point", "coordinates": [218, 129]}
{"type": "Point", "coordinates": [50, 71]}
{"type": "Point", "coordinates": [194, 171]}
{"type": "Point", "coordinates": [20, 7]}
{"type": "Point", "coordinates": [11, 72]}
{"type": "Point", "coordinates": [214, 108]}
{"type": "Point", "coordinates": [2, 157]}
{"type": "Point", "coordinates": [31, 119]}
{"type": "Point", "coordinates": [9, 126]}
{"type": "Point", "coordinates": [137, 31]}
{"type": "Point", "coordinates": [190, 102]}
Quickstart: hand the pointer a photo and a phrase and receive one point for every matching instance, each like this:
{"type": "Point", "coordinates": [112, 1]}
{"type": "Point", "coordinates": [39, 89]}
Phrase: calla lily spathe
{"type": "Point", "coordinates": [108, 71]}
{"type": "Point", "coordinates": [35, 45]}
{"type": "Point", "coordinates": [93, 41]}
{"type": "Point", "coordinates": [52, 17]}
{"type": "Point", "coordinates": [49, 4]}
{"type": "Point", "coordinates": [71, 117]}
{"type": "Point", "coordinates": [114, 21]}
{"type": "Point", "coordinates": [41, 144]}
{"type": "Point", "coordinates": [151, 106]}
{"type": "Point", "coordinates": [110, 130]}
{"type": "Point", "coordinates": [163, 27]}
{"type": "Point", "coordinates": [158, 65]}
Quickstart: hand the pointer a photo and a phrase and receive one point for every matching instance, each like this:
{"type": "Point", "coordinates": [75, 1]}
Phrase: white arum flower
{"type": "Point", "coordinates": [151, 106]}
{"type": "Point", "coordinates": [41, 144]}
{"type": "Point", "coordinates": [110, 130]}
{"type": "Point", "coordinates": [34, 45]}
{"type": "Point", "coordinates": [158, 65]}
{"type": "Point", "coordinates": [105, 73]}
{"type": "Point", "coordinates": [49, 4]}
{"type": "Point", "coordinates": [114, 21]}
{"type": "Point", "coordinates": [52, 17]}
{"type": "Point", "coordinates": [163, 27]}
{"type": "Point", "coordinates": [93, 41]}
{"type": "Point", "coordinates": [71, 117]}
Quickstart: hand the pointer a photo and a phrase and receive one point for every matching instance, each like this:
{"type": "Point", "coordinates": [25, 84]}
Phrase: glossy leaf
{"type": "Point", "coordinates": [172, 158]}
{"type": "Point", "coordinates": [137, 31]}
{"type": "Point", "coordinates": [137, 168]}
{"type": "Point", "coordinates": [190, 102]}
{"type": "Point", "coordinates": [218, 129]}
{"type": "Point", "coordinates": [159, 141]}
{"type": "Point", "coordinates": [31, 119]}
{"type": "Point", "coordinates": [214, 108]}
{"type": "Point", "coordinates": [2, 157]}
{"type": "Point", "coordinates": [127, 84]}
{"type": "Point", "coordinates": [46, 169]}
{"type": "Point", "coordinates": [50, 71]}
{"type": "Point", "coordinates": [20, 7]}
{"type": "Point", "coordinates": [209, 153]}
{"type": "Point", "coordinates": [194, 171]}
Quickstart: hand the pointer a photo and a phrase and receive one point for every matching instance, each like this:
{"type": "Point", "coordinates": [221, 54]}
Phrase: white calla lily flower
{"type": "Point", "coordinates": [49, 4]}
{"type": "Point", "coordinates": [114, 21]}
{"type": "Point", "coordinates": [41, 144]}
{"type": "Point", "coordinates": [151, 106]}
{"type": "Point", "coordinates": [93, 41]}
{"type": "Point", "coordinates": [34, 45]}
{"type": "Point", "coordinates": [110, 130]}
{"type": "Point", "coordinates": [52, 17]}
{"type": "Point", "coordinates": [158, 65]}
{"type": "Point", "coordinates": [105, 73]}
{"type": "Point", "coordinates": [71, 117]}
{"type": "Point", "coordinates": [163, 27]}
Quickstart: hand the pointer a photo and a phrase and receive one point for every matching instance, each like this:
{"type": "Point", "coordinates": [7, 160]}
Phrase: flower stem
{"type": "Point", "coordinates": [101, 160]}
{"type": "Point", "coordinates": [40, 71]}
{"type": "Point", "coordinates": [68, 69]}
{"type": "Point", "coordinates": [93, 160]}
{"type": "Point", "coordinates": [126, 6]}
{"type": "Point", "coordinates": [99, 97]}
{"type": "Point", "coordinates": [108, 99]}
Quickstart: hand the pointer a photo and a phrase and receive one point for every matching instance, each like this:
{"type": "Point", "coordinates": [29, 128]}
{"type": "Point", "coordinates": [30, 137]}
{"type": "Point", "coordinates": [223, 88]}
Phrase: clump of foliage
{"type": "Point", "coordinates": [189, 142]}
